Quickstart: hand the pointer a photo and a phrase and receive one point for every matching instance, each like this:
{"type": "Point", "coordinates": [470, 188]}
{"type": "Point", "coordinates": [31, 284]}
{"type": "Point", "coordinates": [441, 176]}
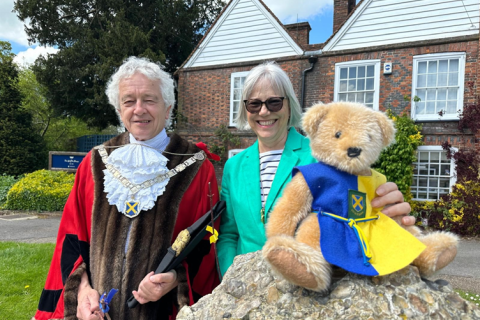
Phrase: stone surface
{"type": "Point", "coordinates": [251, 291]}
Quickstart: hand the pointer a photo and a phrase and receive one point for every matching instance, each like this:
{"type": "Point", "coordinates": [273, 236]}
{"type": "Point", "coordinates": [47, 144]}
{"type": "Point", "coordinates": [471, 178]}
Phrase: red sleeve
{"type": "Point", "coordinates": [73, 241]}
{"type": "Point", "coordinates": [195, 203]}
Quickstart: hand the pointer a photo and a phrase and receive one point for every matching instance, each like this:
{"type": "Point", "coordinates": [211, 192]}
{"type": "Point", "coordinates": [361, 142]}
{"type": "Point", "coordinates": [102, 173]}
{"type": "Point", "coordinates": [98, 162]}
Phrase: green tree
{"type": "Point", "coordinates": [58, 131]}
{"type": "Point", "coordinates": [21, 149]}
{"type": "Point", "coordinates": [95, 36]}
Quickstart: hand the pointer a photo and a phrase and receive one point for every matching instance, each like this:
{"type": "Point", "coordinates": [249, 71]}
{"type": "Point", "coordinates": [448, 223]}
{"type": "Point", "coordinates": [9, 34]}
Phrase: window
{"type": "Point", "coordinates": [358, 81]}
{"type": "Point", "coordinates": [438, 81]}
{"type": "Point", "coordinates": [233, 152]}
{"type": "Point", "coordinates": [433, 173]}
{"type": "Point", "coordinates": [236, 87]}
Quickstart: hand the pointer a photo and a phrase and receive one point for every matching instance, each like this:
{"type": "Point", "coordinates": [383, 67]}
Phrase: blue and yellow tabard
{"type": "Point", "coordinates": [353, 235]}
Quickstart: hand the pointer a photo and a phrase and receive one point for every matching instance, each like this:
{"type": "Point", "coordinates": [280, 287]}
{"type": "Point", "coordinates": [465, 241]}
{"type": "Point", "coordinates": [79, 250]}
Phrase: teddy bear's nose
{"type": "Point", "coordinates": [353, 152]}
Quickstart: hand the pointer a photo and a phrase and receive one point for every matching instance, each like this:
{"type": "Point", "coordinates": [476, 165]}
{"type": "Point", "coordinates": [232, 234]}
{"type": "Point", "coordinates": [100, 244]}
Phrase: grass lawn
{"type": "Point", "coordinates": [23, 270]}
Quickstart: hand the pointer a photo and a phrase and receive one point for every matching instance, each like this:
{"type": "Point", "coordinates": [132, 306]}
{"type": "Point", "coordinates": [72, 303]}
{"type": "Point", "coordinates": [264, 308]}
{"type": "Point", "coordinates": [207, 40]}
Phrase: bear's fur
{"type": "Point", "coordinates": [349, 137]}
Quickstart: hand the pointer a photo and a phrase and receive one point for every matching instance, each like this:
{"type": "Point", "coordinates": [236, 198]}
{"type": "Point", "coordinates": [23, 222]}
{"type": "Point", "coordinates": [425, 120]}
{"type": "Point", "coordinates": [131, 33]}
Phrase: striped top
{"type": "Point", "coordinates": [268, 167]}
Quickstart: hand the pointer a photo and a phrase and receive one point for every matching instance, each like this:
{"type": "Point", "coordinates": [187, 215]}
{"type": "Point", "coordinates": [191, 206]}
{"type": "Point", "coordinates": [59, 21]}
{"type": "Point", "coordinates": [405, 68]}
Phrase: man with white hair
{"type": "Point", "coordinates": [131, 197]}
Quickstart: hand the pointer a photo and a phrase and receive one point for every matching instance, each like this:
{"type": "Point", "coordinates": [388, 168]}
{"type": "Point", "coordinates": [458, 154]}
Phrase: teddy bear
{"type": "Point", "coordinates": [324, 217]}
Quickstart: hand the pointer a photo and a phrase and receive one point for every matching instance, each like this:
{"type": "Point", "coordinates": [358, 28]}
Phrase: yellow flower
{"type": "Point", "coordinates": [27, 286]}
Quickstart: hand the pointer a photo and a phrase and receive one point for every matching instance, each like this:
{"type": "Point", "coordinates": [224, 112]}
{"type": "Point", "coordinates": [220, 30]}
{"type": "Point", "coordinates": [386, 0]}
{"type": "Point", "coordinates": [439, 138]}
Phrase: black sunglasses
{"type": "Point", "coordinates": [273, 104]}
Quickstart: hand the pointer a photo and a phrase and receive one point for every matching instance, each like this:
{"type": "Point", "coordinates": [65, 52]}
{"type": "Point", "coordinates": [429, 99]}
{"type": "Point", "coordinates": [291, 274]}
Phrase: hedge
{"type": "Point", "coordinates": [6, 182]}
{"type": "Point", "coordinates": [41, 190]}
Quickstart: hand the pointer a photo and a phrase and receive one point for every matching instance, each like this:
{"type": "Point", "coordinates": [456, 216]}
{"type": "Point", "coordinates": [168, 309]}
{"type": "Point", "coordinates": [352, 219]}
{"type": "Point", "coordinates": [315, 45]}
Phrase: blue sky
{"type": "Point", "coordinates": [319, 13]}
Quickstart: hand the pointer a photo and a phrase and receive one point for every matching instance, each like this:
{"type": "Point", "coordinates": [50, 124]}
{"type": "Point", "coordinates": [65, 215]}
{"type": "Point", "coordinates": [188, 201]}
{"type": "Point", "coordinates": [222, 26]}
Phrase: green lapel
{"type": "Point", "coordinates": [251, 181]}
{"type": "Point", "coordinates": [287, 162]}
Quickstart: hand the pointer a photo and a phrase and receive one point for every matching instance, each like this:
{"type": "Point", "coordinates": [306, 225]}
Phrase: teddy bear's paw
{"type": "Point", "coordinates": [441, 250]}
{"type": "Point", "coordinates": [298, 263]}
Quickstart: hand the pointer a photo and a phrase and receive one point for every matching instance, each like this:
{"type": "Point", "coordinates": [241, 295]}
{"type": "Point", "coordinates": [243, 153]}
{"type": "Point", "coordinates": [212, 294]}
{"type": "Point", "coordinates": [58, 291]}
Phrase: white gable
{"type": "Point", "coordinates": [246, 31]}
{"type": "Point", "coordinates": [383, 22]}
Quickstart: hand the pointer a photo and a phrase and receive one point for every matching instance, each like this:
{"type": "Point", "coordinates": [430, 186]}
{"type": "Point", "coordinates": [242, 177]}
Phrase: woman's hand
{"type": "Point", "coordinates": [155, 286]}
{"type": "Point", "coordinates": [389, 197]}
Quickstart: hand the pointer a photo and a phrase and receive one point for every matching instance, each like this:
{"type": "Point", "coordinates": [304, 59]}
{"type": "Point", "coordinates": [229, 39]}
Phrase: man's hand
{"type": "Point", "coordinates": [155, 286]}
{"type": "Point", "coordinates": [88, 307]}
{"type": "Point", "coordinates": [391, 198]}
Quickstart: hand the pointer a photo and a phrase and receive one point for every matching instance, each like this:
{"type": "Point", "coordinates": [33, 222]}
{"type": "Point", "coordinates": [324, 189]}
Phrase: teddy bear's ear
{"type": "Point", "coordinates": [313, 116]}
{"type": "Point", "coordinates": [387, 127]}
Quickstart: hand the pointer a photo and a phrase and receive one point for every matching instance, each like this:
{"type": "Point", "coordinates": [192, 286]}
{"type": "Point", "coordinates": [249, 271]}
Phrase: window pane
{"type": "Point", "coordinates": [369, 84]}
{"type": "Point", "coordinates": [443, 66]}
{"type": "Point", "coordinates": [431, 93]}
{"type": "Point", "coordinates": [352, 85]}
{"type": "Point", "coordinates": [361, 72]}
{"type": "Point", "coordinates": [422, 182]}
{"type": "Point", "coordinates": [351, 97]}
{"type": "Point", "coordinates": [453, 79]}
{"type": "Point", "coordinates": [423, 156]}
{"type": "Point", "coordinates": [434, 169]}
{"type": "Point", "coordinates": [443, 158]}
{"type": "Point", "coordinates": [444, 182]}
{"type": "Point", "coordinates": [237, 94]}
{"type": "Point", "coordinates": [453, 65]}
{"type": "Point", "coordinates": [420, 107]}
{"type": "Point", "coordinates": [451, 107]}
{"type": "Point", "coordinates": [343, 73]}
{"type": "Point", "coordinates": [432, 66]}
{"type": "Point", "coordinates": [442, 79]}
{"type": "Point", "coordinates": [360, 84]}
{"type": "Point", "coordinates": [242, 81]}
{"type": "Point", "coordinates": [442, 94]}
{"type": "Point", "coordinates": [370, 105]}
{"type": "Point", "coordinates": [441, 105]}
{"type": "Point", "coordinates": [352, 72]}
{"type": "Point", "coordinates": [361, 97]}
{"type": "Point", "coordinates": [434, 157]}
{"type": "Point", "coordinates": [343, 85]}
{"type": "Point", "coordinates": [236, 104]}
{"type": "Point", "coordinates": [433, 182]}
{"type": "Point", "coordinates": [421, 80]}
{"type": "Point", "coordinates": [370, 71]}
{"type": "Point", "coordinates": [342, 97]}
{"type": "Point", "coordinates": [422, 67]}
{"type": "Point", "coordinates": [452, 94]}
{"type": "Point", "coordinates": [236, 82]}
{"type": "Point", "coordinates": [369, 97]}
{"type": "Point", "coordinates": [431, 80]}
{"type": "Point", "coordinates": [445, 168]}
{"type": "Point", "coordinates": [430, 107]}
{"type": "Point", "coordinates": [421, 94]}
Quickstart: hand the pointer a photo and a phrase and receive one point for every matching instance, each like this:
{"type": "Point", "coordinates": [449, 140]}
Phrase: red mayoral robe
{"type": "Point", "coordinates": [99, 249]}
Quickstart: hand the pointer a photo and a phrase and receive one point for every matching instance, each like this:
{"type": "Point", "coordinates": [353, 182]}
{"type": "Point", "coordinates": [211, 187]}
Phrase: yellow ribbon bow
{"type": "Point", "coordinates": [214, 236]}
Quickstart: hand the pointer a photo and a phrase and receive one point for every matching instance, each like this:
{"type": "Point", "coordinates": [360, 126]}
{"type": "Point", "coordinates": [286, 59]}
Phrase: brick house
{"type": "Point", "coordinates": [382, 53]}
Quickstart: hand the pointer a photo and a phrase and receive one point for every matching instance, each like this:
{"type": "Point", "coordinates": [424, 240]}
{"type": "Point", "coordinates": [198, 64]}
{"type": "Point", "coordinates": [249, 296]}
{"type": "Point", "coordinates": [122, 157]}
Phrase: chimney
{"type": "Point", "coordinates": [341, 10]}
{"type": "Point", "coordinates": [300, 32]}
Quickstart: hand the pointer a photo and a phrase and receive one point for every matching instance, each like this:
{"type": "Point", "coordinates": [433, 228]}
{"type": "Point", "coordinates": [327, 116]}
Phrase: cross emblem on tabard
{"type": "Point", "coordinates": [356, 204]}
{"type": "Point", "coordinates": [132, 208]}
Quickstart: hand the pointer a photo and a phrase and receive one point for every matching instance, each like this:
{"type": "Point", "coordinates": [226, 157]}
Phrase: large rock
{"type": "Point", "coordinates": [251, 291]}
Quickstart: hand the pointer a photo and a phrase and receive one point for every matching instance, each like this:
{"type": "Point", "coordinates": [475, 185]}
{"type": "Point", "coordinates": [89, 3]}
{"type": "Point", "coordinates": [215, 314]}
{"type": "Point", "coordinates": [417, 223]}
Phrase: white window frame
{"type": "Point", "coordinates": [233, 152]}
{"type": "Point", "coordinates": [360, 63]}
{"type": "Point", "coordinates": [234, 75]}
{"type": "Point", "coordinates": [461, 84]}
{"type": "Point", "coordinates": [416, 176]}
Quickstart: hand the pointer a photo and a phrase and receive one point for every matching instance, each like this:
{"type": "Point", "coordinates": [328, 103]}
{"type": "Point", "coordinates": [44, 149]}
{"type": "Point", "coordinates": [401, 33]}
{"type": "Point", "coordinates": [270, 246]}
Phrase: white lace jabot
{"type": "Point", "coordinates": [138, 164]}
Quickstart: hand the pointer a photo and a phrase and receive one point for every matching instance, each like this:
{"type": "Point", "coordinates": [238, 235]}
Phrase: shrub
{"type": "Point", "coordinates": [41, 190]}
{"type": "Point", "coordinates": [6, 182]}
{"type": "Point", "coordinates": [395, 162]}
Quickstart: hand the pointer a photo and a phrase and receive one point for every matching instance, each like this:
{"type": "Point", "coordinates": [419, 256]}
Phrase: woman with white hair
{"type": "Point", "coordinates": [131, 197]}
{"type": "Point", "coordinates": [254, 179]}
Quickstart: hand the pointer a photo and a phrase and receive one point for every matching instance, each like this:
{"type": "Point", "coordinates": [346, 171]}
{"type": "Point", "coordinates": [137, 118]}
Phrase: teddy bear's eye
{"type": "Point", "coordinates": [338, 134]}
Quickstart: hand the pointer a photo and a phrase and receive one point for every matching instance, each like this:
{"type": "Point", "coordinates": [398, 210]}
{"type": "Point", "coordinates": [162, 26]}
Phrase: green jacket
{"type": "Point", "coordinates": [241, 230]}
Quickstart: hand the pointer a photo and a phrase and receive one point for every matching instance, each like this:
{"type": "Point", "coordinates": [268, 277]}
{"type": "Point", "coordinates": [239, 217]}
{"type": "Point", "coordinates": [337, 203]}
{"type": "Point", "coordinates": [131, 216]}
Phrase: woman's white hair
{"type": "Point", "coordinates": [151, 70]}
{"type": "Point", "coordinates": [270, 71]}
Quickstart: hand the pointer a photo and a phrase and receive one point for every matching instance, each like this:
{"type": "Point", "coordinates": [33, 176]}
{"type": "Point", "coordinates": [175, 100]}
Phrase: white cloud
{"type": "Point", "coordinates": [289, 11]}
{"type": "Point", "coordinates": [26, 58]}
{"type": "Point", "coordinates": [11, 28]}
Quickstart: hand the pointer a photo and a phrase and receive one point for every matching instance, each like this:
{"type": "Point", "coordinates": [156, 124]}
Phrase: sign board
{"type": "Point", "coordinates": [64, 161]}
